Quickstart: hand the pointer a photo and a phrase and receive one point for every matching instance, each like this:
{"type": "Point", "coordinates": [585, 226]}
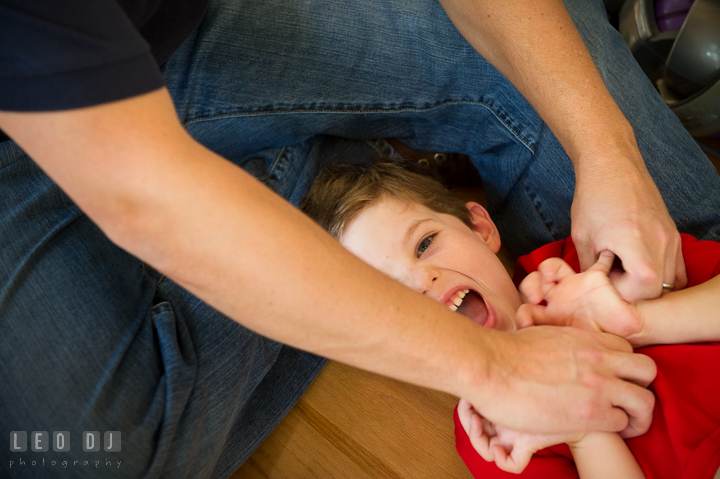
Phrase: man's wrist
{"type": "Point", "coordinates": [618, 150]}
{"type": "Point", "coordinates": [477, 373]}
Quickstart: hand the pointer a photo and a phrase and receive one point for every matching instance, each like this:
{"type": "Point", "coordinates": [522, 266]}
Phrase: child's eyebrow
{"type": "Point", "coordinates": [413, 226]}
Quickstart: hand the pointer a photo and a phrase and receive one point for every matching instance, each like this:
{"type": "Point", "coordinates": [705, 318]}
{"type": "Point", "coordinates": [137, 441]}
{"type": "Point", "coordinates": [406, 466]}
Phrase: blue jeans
{"type": "Point", "coordinates": [91, 339]}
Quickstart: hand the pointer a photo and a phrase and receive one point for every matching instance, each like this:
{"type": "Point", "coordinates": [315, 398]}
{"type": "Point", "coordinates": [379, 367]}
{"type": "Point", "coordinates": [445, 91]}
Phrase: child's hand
{"type": "Point", "coordinates": [510, 450]}
{"type": "Point", "coordinates": [586, 300]}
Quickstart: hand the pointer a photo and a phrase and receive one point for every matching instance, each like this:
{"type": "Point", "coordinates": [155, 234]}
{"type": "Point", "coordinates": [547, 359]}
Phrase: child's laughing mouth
{"type": "Point", "coordinates": [472, 305]}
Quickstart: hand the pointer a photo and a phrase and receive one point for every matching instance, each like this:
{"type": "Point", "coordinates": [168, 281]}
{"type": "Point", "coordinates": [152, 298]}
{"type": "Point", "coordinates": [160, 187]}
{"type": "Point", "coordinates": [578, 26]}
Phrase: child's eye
{"type": "Point", "coordinates": [424, 245]}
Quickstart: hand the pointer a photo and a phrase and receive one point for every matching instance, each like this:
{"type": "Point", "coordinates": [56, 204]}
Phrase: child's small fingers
{"type": "Point", "coordinates": [523, 317]}
{"type": "Point", "coordinates": [515, 462]}
{"type": "Point", "coordinates": [539, 316]}
{"type": "Point", "coordinates": [503, 460]}
{"type": "Point", "coordinates": [479, 440]}
{"type": "Point", "coordinates": [531, 288]}
{"type": "Point", "coordinates": [520, 459]}
{"type": "Point", "coordinates": [555, 270]}
{"type": "Point", "coordinates": [465, 412]}
{"type": "Point", "coordinates": [488, 427]}
{"type": "Point", "coordinates": [604, 262]}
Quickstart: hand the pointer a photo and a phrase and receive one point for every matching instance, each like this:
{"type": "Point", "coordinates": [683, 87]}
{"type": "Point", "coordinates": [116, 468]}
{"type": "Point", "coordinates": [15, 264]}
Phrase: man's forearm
{"type": "Point", "coordinates": [536, 45]}
{"type": "Point", "coordinates": [227, 238]}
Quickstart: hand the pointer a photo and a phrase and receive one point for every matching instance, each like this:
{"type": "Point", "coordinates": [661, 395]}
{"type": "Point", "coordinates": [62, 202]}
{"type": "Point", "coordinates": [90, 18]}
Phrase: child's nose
{"type": "Point", "coordinates": [422, 281]}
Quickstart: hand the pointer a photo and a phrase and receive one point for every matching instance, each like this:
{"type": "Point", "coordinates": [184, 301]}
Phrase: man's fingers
{"type": "Point", "coordinates": [637, 403]}
{"type": "Point", "coordinates": [632, 402]}
{"type": "Point", "coordinates": [636, 426]}
{"type": "Point", "coordinates": [631, 414]}
{"type": "Point", "coordinates": [641, 279]}
{"type": "Point", "coordinates": [679, 279]}
{"type": "Point", "coordinates": [636, 368]}
{"type": "Point", "coordinates": [586, 253]}
{"type": "Point", "coordinates": [646, 272]}
{"type": "Point", "coordinates": [637, 372]}
{"type": "Point", "coordinates": [613, 342]}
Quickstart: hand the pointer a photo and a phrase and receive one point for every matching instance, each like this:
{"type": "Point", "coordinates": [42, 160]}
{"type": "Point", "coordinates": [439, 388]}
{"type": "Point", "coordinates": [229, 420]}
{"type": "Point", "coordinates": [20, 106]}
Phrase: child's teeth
{"type": "Point", "coordinates": [462, 293]}
{"type": "Point", "coordinates": [453, 307]}
{"type": "Point", "coordinates": [466, 291]}
{"type": "Point", "coordinates": [458, 301]}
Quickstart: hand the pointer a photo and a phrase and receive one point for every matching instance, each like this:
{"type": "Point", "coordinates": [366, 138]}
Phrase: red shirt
{"type": "Point", "coordinates": [684, 438]}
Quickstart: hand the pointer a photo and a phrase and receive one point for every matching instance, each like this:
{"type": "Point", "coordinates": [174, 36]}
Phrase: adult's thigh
{"type": "Point", "coordinates": [92, 339]}
{"type": "Point", "coordinates": [270, 74]}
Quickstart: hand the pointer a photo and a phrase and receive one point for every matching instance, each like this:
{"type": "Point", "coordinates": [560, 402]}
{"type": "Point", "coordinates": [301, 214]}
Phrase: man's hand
{"type": "Point", "coordinates": [586, 300]}
{"type": "Point", "coordinates": [553, 380]}
{"type": "Point", "coordinates": [617, 207]}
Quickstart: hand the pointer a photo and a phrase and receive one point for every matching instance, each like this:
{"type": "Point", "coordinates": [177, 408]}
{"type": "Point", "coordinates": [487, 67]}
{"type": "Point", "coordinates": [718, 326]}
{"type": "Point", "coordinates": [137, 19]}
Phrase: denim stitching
{"type": "Point", "coordinates": [12, 150]}
{"type": "Point", "coordinates": [7, 290]}
{"type": "Point", "coordinates": [537, 212]}
{"type": "Point", "coordinates": [275, 163]}
{"type": "Point", "coordinates": [395, 110]}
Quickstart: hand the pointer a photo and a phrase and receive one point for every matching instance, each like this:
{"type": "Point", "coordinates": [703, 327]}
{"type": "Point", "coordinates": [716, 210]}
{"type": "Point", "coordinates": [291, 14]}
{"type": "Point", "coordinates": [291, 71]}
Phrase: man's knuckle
{"type": "Point", "coordinates": [586, 411]}
{"type": "Point", "coordinates": [647, 274]}
{"type": "Point", "coordinates": [650, 366]}
{"type": "Point", "coordinates": [648, 399]}
{"type": "Point", "coordinates": [591, 355]}
{"type": "Point", "coordinates": [592, 380]}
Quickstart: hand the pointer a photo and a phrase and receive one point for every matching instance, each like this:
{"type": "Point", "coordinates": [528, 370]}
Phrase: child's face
{"type": "Point", "coordinates": [438, 255]}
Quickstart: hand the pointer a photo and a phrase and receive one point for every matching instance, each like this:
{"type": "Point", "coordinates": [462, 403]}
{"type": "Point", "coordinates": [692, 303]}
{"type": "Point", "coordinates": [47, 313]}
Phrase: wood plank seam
{"type": "Point", "coordinates": [366, 460]}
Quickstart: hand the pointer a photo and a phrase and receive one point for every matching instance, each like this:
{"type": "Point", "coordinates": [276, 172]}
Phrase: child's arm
{"type": "Point", "coordinates": [588, 300]}
{"type": "Point", "coordinates": [604, 454]}
{"type": "Point", "coordinates": [686, 316]}
{"type": "Point", "coordinates": [596, 454]}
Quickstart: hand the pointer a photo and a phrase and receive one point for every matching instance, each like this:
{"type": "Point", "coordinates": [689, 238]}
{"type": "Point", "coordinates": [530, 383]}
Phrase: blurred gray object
{"type": "Point", "coordinates": [677, 44]}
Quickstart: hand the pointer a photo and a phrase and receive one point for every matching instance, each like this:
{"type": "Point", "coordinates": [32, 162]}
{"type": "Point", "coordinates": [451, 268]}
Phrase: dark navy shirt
{"type": "Point", "coordinates": [62, 54]}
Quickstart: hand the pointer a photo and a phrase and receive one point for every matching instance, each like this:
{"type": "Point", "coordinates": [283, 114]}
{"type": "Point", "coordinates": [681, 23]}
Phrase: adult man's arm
{"type": "Point", "coordinates": [224, 236]}
{"type": "Point", "coordinates": [617, 206]}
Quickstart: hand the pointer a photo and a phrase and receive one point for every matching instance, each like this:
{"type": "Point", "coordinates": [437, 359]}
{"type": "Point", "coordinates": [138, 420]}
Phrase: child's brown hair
{"type": "Point", "coordinates": [342, 192]}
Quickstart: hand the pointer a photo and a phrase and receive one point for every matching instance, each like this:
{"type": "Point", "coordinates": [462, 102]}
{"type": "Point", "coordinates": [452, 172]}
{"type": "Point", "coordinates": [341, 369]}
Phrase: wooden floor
{"type": "Point", "coordinates": [354, 424]}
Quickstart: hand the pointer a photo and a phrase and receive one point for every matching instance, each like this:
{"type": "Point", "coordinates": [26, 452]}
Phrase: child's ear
{"type": "Point", "coordinates": [483, 226]}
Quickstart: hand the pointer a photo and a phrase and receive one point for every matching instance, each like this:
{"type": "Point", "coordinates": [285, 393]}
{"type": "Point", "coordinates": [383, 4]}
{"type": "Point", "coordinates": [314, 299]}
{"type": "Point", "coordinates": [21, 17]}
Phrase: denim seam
{"type": "Point", "coordinates": [535, 209]}
{"type": "Point", "coordinates": [275, 163]}
{"type": "Point", "coordinates": [15, 148]}
{"type": "Point", "coordinates": [395, 110]}
{"type": "Point", "coordinates": [5, 291]}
